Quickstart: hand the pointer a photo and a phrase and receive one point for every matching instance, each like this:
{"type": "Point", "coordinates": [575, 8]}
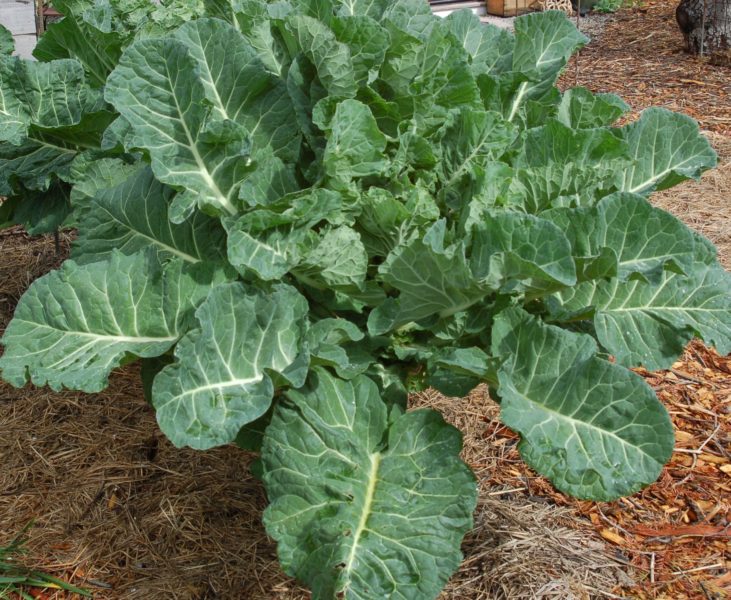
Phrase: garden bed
{"type": "Point", "coordinates": [120, 511]}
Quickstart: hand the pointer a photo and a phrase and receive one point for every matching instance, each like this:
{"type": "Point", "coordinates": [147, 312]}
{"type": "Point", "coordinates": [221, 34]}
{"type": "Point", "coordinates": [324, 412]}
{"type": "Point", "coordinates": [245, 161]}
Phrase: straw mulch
{"type": "Point", "coordinates": [119, 510]}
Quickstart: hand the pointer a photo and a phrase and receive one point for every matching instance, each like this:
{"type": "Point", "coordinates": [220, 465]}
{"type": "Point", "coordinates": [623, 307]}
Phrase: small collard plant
{"type": "Point", "coordinates": [292, 213]}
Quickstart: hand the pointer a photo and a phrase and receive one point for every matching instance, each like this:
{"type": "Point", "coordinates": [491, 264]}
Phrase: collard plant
{"type": "Point", "coordinates": [294, 213]}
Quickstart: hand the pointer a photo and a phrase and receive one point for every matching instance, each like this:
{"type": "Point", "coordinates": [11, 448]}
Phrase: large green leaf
{"type": "Point", "coordinates": [76, 37]}
{"type": "Point", "coordinates": [252, 19]}
{"type": "Point", "coordinates": [33, 164]}
{"type": "Point", "coordinates": [228, 10]}
{"type": "Point", "coordinates": [490, 47]}
{"type": "Point", "coordinates": [355, 147]}
{"type": "Point", "coordinates": [535, 189]}
{"type": "Point", "coordinates": [411, 16]}
{"type": "Point", "coordinates": [367, 42]}
{"type": "Point", "coordinates": [581, 109]}
{"type": "Point", "coordinates": [40, 212]}
{"type": "Point", "coordinates": [271, 180]}
{"type": "Point", "coordinates": [186, 103]}
{"type": "Point", "coordinates": [74, 325]}
{"type": "Point", "coordinates": [46, 154]}
{"type": "Point", "coordinates": [7, 43]}
{"type": "Point", "coordinates": [428, 77]}
{"type": "Point", "coordinates": [432, 280]}
{"type": "Point", "coordinates": [306, 91]}
{"type": "Point", "coordinates": [239, 87]}
{"type": "Point", "coordinates": [594, 428]}
{"type": "Point", "coordinates": [91, 175]}
{"type": "Point", "coordinates": [14, 117]}
{"type": "Point", "coordinates": [364, 506]}
{"type": "Point", "coordinates": [370, 8]}
{"type": "Point", "coordinates": [402, 64]}
{"type": "Point", "coordinates": [47, 95]}
{"type": "Point", "coordinates": [470, 140]}
{"type": "Point", "coordinates": [133, 215]}
{"type": "Point", "coordinates": [336, 343]}
{"type": "Point", "coordinates": [271, 252]}
{"type": "Point", "coordinates": [156, 89]}
{"type": "Point", "coordinates": [557, 144]}
{"type": "Point", "coordinates": [220, 379]}
{"type": "Point", "coordinates": [270, 242]}
{"type": "Point", "coordinates": [666, 148]}
{"type": "Point", "coordinates": [123, 16]}
{"type": "Point", "coordinates": [543, 45]}
{"type": "Point", "coordinates": [387, 221]}
{"type": "Point", "coordinates": [444, 80]}
{"type": "Point", "coordinates": [338, 261]}
{"type": "Point", "coordinates": [644, 239]}
{"type": "Point", "coordinates": [330, 57]}
{"type": "Point", "coordinates": [457, 371]}
{"type": "Point", "coordinates": [519, 252]}
{"type": "Point", "coordinates": [650, 323]}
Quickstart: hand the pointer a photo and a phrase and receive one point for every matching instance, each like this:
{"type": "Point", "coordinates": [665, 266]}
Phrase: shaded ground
{"type": "Point", "coordinates": [119, 510]}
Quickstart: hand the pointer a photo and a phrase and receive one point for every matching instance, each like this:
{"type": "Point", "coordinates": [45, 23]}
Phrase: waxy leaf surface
{"type": "Point", "coordinates": [74, 325]}
{"type": "Point", "coordinates": [133, 215]}
{"type": "Point", "coordinates": [595, 429]}
{"type": "Point", "coordinates": [219, 381]}
{"type": "Point", "coordinates": [649, 324]}
{"type": "Point", "coordinates": [364, 505]}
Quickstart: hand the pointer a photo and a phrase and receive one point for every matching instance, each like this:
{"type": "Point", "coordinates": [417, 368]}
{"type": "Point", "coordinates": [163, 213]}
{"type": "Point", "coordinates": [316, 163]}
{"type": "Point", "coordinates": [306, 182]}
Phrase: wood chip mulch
{"type": "Point", "coordinates": [676, 534]}
{"type": "Point", "coordinates": [640, 55]}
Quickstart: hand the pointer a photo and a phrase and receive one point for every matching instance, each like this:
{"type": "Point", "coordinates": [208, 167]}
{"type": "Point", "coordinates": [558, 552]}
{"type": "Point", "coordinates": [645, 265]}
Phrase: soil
{"type": "Point", "coordinates": [118, 510]}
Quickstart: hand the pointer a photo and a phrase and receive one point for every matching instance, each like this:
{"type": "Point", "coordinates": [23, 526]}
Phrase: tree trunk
{"type": "Point", "coordinates": [706, 25]}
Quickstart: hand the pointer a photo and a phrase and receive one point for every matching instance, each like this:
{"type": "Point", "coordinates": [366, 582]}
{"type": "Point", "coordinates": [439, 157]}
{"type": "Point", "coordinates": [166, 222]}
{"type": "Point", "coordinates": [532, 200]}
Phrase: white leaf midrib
{"type": "Point", "coordinates": [136, 231]}
{"type": "Point", "coordinates": [575, 424]}
{"type": "Point", "coordinates": [98, 336]}
{"type": "Point", "coordinates": [375, 460]}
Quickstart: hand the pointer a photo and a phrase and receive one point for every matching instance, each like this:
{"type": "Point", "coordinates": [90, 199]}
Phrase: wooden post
{"type": "Point", "coordinates": [40, 24]}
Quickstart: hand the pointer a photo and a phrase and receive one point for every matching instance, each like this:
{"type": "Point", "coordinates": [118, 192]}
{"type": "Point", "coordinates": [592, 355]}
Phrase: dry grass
{"type": "Point", "coordinates": [22, 260]}
{"type": "Point", "coordinates": [116, 505]}
{"type": "Point", "coordinates": [120, 510]}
